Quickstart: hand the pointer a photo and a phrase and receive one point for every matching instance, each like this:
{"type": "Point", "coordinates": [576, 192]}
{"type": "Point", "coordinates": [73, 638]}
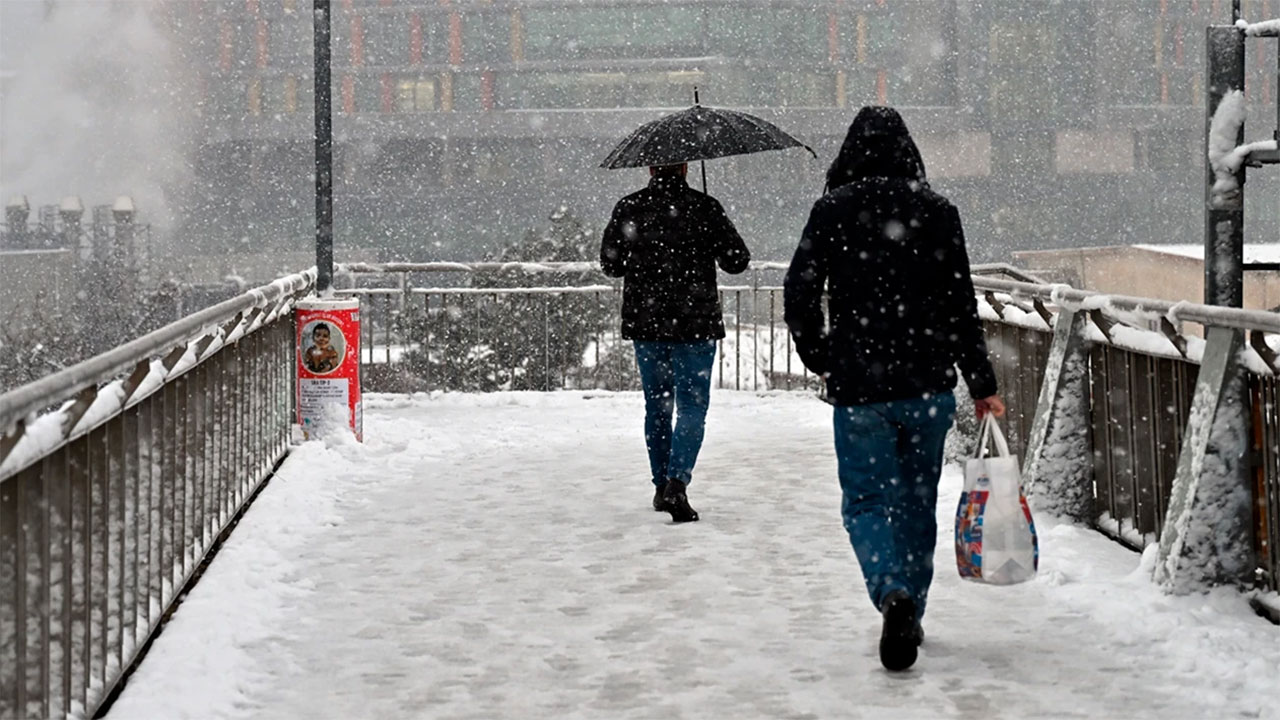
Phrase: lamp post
{"type": "Point", "coordinates": [324, 152]}
{"type": "Point", "coordinates": [327, 361]}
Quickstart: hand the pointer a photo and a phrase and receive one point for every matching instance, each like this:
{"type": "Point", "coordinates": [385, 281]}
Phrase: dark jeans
{"type": "Point", "coordinates": [676, 377]}
{"type": "Point", "coordinates": [889, 457]}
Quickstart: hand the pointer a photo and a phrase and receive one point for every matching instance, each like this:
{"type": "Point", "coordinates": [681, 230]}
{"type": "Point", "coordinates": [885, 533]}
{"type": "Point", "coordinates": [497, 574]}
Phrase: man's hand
{"type": "Point", "coordinates": [993, 405]}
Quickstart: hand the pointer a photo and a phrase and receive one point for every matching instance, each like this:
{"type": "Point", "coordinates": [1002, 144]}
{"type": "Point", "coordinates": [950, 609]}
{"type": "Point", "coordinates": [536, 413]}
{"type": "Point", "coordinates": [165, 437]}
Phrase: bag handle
{"type": "Point", "coordinates": [990, 429]}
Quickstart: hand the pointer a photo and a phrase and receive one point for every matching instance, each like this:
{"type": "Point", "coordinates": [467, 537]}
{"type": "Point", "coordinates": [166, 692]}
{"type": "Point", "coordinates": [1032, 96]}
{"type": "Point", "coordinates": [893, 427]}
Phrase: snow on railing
{"type": "Point", "coordinates": [1146, 399]}
{"type": "Point", "coordinates": [152, 450]}
{"type": "Point", "coordinates": [1266, 28]}
{"type": "Point", "coordinates": [24, 437]}
{"type": "Point", "coordinates": [1137, 308]}
{"type": "Point", "coordinates": [1224, 155]}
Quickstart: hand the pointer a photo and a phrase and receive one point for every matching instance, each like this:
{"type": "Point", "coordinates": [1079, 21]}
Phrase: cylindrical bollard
{"type": "Point", "coordinates": [329, 366]}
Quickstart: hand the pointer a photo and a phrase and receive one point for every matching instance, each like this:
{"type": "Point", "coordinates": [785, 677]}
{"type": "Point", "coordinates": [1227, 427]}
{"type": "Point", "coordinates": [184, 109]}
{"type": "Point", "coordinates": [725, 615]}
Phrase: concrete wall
{"type": "Point", "coordinates": [1143, 273]}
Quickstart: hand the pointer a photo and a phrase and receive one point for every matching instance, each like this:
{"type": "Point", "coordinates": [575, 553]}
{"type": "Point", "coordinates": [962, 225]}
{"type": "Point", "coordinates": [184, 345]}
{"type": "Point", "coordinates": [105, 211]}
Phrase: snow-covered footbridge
{"type": "Point", "coordinates": [494, 555]}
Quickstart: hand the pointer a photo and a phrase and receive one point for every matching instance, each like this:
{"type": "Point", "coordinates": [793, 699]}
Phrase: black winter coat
{"type": "Point", "coordinates": [891, 254]}
{"type": "Point", "coordinates": [665, 241]}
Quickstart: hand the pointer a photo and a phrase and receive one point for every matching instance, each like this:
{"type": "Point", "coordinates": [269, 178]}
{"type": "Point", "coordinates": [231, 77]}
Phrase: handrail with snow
{"type": "Point", "coordinates": [50, 390]}
{"type": "Point", "coordinates": [1207, 315]}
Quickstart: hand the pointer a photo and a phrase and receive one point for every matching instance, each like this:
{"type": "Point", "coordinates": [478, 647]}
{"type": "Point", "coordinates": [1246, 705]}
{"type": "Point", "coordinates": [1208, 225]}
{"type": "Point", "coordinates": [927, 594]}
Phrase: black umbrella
{"type": "Point", "coordinates": [699, 133]}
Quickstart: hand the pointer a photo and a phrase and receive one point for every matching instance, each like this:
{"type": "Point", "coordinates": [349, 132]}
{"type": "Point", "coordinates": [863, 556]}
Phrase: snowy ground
{"type": "Point", "coordinates": [495, 556]}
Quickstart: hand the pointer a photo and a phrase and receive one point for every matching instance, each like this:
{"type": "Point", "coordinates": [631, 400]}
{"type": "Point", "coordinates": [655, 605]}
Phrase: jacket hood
{"type": "Point", "coordinates": [877, 145]}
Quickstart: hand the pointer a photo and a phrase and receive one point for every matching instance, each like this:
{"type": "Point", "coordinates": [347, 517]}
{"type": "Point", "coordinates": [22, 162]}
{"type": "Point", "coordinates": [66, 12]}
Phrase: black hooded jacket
{"type": "Point", "coordinates": [665, 241]}
{"type": "Point", "coordinates": [891, 254]}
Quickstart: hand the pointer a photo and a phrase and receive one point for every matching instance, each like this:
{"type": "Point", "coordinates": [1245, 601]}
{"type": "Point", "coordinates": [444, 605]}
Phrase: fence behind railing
{"type": "Point", "coordinates": [421, 333]}
{"type": "Point", "coordinates": [109, 503]}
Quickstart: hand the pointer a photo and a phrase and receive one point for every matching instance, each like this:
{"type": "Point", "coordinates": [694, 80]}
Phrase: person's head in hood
{"type": "Point", "coordinates": [877, 145]}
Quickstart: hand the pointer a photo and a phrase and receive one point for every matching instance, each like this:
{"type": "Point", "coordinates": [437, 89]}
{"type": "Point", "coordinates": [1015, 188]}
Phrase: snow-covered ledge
{"type": "Point", "coordinates": [1266, 28]}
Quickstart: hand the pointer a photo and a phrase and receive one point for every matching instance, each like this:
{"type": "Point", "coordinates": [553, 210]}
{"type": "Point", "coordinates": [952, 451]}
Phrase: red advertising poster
{"type": "Point", "coordinates": [329, 364]}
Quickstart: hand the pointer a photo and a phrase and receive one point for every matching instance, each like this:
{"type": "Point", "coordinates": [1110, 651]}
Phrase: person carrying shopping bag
{"type": "Point", "coordinates": [890, 253]}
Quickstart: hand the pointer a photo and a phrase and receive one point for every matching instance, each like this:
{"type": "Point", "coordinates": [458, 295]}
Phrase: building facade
{"type": "Point", "coordinates": [460, 123]}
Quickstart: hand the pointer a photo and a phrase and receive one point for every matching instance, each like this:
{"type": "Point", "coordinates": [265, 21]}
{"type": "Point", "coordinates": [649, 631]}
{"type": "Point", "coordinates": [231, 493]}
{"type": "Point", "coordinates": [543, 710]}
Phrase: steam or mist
{"type": "Point", "coordinates": [97, 109]}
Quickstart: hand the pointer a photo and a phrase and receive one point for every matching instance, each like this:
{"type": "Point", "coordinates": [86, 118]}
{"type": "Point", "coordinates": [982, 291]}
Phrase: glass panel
{"type": "Point", "coordinates": [665, 89]}
{"type": "Point", "coordinates": [416, 95]}
{"type": "Point", "coordinates": [386, 39]}
{"type": "Point", "coordinates": [1022, 79]}
{"type": "Point", "coordinates": [902, 50]}
{"type": "Point", "coordinates": [290, 43]}
{"type": "Point", "coordinates": [435, 38]}
{"type": "Point", "coordinates": [368, 93]}
{"type": "Point", "coordinates": [783, 34]}
{"type": "Point", "coordinates": [533, 90]}
{"type": "Point", "coordinates": [618, 32]}
{"type": "Point", "coordinates": [486, 38]}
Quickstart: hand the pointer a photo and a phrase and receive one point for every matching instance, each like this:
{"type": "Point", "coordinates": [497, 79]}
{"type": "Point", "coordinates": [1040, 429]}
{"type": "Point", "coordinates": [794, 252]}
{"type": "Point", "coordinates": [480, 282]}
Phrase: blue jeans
{"type": "Point", "coordinates": [889, 458]}
{"type": "Point", "coordinates": [675, 375]}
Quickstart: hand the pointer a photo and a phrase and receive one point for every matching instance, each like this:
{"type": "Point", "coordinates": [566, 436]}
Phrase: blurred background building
{"type": "Point", "coordinates": [460, 123]}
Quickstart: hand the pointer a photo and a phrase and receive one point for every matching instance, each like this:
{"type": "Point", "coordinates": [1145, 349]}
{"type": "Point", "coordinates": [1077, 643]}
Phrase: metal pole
{"type": "Point", "coordinates": [702, 163]}
{"type": "Point", "coordinates": [324, 152]}
{"type": "Point", "coordinates": [1224, 216]}
{"type": "Point", "coordinates": [1235, 11]}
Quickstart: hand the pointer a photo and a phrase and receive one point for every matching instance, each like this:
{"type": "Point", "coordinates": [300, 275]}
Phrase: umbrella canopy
{"type": "Point", "coordinates": [699, 133]}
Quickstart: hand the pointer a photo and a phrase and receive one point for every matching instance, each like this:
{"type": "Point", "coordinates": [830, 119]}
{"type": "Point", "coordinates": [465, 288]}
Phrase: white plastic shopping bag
{"type": "Point", "coordinates": [995, 535]}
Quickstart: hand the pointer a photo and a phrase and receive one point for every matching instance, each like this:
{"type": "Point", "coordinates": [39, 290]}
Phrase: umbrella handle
{"type": "Point", "coordinates": [703, 163]}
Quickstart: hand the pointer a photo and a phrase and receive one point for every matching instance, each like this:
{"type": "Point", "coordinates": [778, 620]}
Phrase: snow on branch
{"type": "Point", "coordinates": [1266, 28]}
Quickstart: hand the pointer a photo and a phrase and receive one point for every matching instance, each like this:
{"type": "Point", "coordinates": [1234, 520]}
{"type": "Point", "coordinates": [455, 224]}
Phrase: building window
{"type": "Point", "coordinates": [614, 32]}
{"type": "Point", "coordinates": [899, 53]}
{"type": "Point", "coordinates": [387, 39]}
{"type": "Point", "coordinates": [416, 95]}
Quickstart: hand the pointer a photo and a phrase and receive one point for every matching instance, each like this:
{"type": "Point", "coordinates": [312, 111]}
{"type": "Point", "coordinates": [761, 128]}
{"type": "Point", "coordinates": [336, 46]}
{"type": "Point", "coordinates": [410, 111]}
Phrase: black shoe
{"type": "Point", "coordinates": [898, 635]}
{"type": "Point", "coordinates": [917, 634]}
{"type": "Point", "coordinates": [659, 502]}
{"type": "Point", "coordinates": [677, 503]}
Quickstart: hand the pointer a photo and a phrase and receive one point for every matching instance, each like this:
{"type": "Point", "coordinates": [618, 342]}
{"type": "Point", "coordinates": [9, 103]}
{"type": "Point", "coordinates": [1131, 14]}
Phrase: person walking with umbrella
{"type": "Point", "coordinates": [890, 254]}
{"type": "Point", "coordinates": [666, 241]}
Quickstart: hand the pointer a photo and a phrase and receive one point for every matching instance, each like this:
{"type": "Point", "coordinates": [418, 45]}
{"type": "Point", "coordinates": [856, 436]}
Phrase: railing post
{"type": "Point", "coordinates": [1058, 468]}
{"type": "Point", "coordinates": [1207, 533]}
{"type": "Point", "coordinates": [1224, 212]}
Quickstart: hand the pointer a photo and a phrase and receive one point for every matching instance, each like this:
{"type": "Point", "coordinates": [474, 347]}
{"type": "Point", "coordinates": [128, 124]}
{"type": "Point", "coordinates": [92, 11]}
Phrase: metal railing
{"type": "Point", "coordinates": [110, 502]}
{"type": "Point", "coordinates": [1140, 384]}
{"type": "Point", "coordinates": [431, 336]}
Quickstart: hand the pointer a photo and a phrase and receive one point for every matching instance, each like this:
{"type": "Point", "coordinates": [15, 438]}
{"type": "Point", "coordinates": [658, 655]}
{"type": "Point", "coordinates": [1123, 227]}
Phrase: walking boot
{"type": "Point", "coordinates": [659, 502]}
{"type": "Point", "coordinates": [677, 503]}
{"type": "Point", "coordinates": [898, 646]}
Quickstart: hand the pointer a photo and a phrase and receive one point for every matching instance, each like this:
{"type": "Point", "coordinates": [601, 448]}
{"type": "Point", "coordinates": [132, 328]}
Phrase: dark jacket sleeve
{"type": "Point", "coordinates": [960, 313]}
{"type": "Point", "coordinates": [614, 247]}
{"type": "Point", "coordinates": [802, 295]}
{"type": "Point", "coordinates": [732, 254]}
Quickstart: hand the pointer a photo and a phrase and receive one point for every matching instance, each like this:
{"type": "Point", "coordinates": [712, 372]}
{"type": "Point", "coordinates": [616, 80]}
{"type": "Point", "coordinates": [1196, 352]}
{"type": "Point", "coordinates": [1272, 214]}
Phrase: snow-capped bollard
{"type": "Point", "coordinates": [329, 366]}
